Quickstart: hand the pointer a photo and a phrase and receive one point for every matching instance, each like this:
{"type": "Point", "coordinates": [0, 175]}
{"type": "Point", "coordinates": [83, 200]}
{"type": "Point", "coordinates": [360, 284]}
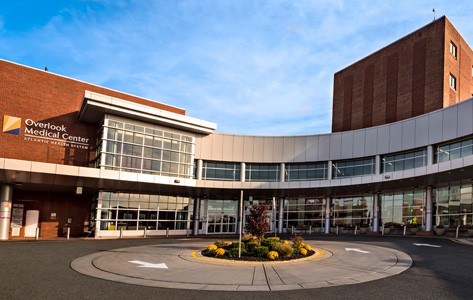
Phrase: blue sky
{"type": "Point", "coordinates": [252, 67]}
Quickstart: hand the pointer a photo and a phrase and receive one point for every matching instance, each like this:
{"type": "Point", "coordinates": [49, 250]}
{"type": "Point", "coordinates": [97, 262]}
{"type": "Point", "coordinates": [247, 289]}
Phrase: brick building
{"type": "Point", "coordinates": [424, 71]}
{"type": "Point", "coordinates": [83, 159]}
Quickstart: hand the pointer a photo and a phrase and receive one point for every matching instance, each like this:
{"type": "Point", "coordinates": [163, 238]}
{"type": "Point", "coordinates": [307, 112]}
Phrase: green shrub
{"type": "Point", "coordinates": [236, 245]}
{"type": "Point", "coordinates": [261, 251]}
{"type": "Point", "coordinates": [234, 252]}
{"type": "Point", "coordinates": [283, 249]}
{"type": "Point", "coordinates": [250, 246]}
{"type": "Point", "coordinates": [220, 244]}
{"type": "Point", "coordinates": [270, 242]}
{"type": "Point", "coordinates": [297, 242]}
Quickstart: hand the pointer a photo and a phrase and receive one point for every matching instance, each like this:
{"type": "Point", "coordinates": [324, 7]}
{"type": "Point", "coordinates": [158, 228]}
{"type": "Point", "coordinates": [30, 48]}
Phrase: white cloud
{"type": "Point", "coordinates": [254, 67]}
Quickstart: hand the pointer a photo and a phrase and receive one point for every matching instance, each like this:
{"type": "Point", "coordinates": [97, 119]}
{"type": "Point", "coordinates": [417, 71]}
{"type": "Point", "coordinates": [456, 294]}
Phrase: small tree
{"type": "Point", "coordinates": [257, 221]}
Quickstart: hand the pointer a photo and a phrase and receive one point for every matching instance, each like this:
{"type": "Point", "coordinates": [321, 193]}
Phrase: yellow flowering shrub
{"type": "Point", "coordinates": [220, 252]}
{"type": "Point", "coordinates": [211, 247]}
{"type": "Point", "coordinates": [228, 244]}
{"type": "Point", "coordinates": [273, 255]}
{"type": "Point", "coordinates": [307, 247]}
{"type": "Point", "coordinates": [303, 251]}
{"type": "Point", "coordinates": [285, 242]}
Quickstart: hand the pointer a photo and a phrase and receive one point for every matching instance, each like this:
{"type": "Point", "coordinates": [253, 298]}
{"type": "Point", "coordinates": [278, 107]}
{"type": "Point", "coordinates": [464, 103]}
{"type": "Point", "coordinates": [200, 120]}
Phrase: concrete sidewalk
{"type": "Point", "coordinates": [181, 266]}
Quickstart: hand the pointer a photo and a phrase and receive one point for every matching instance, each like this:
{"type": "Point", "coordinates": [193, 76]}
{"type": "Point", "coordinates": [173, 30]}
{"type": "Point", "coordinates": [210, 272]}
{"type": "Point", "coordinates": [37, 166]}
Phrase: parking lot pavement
{"type": "Point", "coordinates": [176, 266]}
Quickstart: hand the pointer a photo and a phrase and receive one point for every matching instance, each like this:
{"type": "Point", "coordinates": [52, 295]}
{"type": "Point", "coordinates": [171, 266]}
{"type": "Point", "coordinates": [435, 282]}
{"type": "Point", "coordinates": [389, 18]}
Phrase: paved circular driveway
{"type": "Point", "coordinates": [179, 266]}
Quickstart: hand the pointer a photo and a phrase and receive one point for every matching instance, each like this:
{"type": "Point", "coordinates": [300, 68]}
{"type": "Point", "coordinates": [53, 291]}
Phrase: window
{"type": "Point", "coordinates": [135, 148]}
{"type": "Point", "coordinates": [300, 172]}
{"type": "Point", "coordinates": [454, 150]}
{"type": "Point", "coordinates": [221, 171]}
{"type": "Point", "coordinates": [351, 168]}
{"type": "Point", "coordinates": [404, 161]}
{"type": "Point", "coordinates": [453, 49]}
{"type": "Point", "coordinates": [262, 173]}
{"type": "Point", "coordinates": [453, 82]}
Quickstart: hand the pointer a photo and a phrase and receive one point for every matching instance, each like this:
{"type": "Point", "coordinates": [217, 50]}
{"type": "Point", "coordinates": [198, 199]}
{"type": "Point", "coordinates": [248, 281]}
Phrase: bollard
{"type": "Point", "coordinates": [167, 232]}
{"type": "Point", "coordinates": [310, 229]}
{"type": "Point", "coordinates": [144, 232]}
{"type": "Point", "coordinates": [356, 228]}
{"type": "Point", "coordinates": [458, 230]}
{"type": "Point", "coordinates": [292, 230]}
{"type": "Point", "coordinates": [187, 232]}
{"type": "Point", "coordinates": [404, 229]}
{"type": "Point", "coordinates": [68, 233]}
{"type": "Point", "coordinates": [121, 233]}
{"type": "Point", "coordinates": [337, 229]}
{"type": "Point", "coordinates": [382, 230]}
{"type": "Point", "coordinates": [36, 234]}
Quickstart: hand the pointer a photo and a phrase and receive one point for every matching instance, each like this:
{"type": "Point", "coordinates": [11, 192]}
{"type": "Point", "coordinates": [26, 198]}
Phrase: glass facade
{"type": "Point", "coordinates": [142, 211]}
{"type": "Point", "coordinates": [221, 215]}
{"type": "Point", "coordinates": [352, 211]}
{"type": "Point", "coordinates": [226, 171]}
{"type": "Point", "coordinates": [301, 172]}
{"type": "Point", "coordinates": [262, 173]}
{"type": "Point", "coordinates": [304, 211]}
{"type": "Point", "coordinates": [404, 161]}
{"type": "Point", "coordinates": [141, 149]}
{"type": "Point", "coordinates": [350, 168]}
{"type": "Point", "coordinates": [453, 205]}
{"type": "Point", "coordinates": [403, 208]}
{"type": "Point", "coordinates": [446, 152]}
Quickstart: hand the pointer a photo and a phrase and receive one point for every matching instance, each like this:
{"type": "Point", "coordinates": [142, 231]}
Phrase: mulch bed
{"type": "Point", "coordinates": [260, 259]}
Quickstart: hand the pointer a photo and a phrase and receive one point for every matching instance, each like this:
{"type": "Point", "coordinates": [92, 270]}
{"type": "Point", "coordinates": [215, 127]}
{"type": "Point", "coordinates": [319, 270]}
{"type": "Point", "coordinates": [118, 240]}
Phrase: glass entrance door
{"type": "Point", "coordinates": [221, 222]}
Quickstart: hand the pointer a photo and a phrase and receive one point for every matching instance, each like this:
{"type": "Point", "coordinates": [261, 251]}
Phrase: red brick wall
{"type": "Point", "coordinates": [408, 81]}
{"type": "Point", "coordinates": [42, 96]}
{"type": "Point", "coordinates": [460, 67]}
{"type": "Point", "coordinates": [65, 206]}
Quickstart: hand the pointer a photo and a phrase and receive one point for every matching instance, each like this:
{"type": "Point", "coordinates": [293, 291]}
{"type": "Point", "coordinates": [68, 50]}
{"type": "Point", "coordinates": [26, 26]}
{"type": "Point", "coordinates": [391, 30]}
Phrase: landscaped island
{"type": "Point", "coordinates": [260, 249]}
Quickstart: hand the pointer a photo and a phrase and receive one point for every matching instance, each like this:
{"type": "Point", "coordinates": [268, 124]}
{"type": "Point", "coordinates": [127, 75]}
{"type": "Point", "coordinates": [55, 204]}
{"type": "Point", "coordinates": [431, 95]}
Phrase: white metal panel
{"type": "Point", "coordinates": [258, 144]}
{"type": "Point", "coordinates": [217, 147]}
{"type": "Point", "coordinates": [248, 148]}
{"type": "Point", "coordinates": [31, 222]}
{"type": "Point", "coordinates": [289, 148]}
{"type": "Point", "coordinates": [359, 142]}
{"type": "Point", "coordinates": [347, 145]}
{"type": "Point", "coordinates": [383, 139]}
{"type": "Point", "coordinates": [371, 140]}
{"type": "Point", "coordinates": [450, 123]}
{"type": "Point", "coordinates": [323, 148]}
{"type": "Point", "coordinates": [278, 149]}
{"type": "Point", "coordinates": [408, 134]}
{"type": "Point", "coordinates": [268, 149]}
{"type": "Point", "coordinates": [300, 149]}
{"type": "Point", "coordinates": [312, 144]}
{"type": "Point", "coordinates": [422, 131]}
{"type": "Point", "coordinates": [395, 137]}
{"type": "Point", "coordinates": [336, 146]}
{"type": "Point", "coordinates": [435, 127]}
{"type": "Point", "coordinates": [228, 148]}
{"type": "Point", "coordinates": [238, 141]}
{"type": "Point", "coordinates": [465, 118]}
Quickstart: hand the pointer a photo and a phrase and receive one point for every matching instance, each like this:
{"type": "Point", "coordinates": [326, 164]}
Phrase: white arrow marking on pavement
{"type": "Point", "coordinates": [144, 264]}
{"type": "Point", "coordinates": [356, 250]}
{"type": "Point", "coordinates": [427, 245]}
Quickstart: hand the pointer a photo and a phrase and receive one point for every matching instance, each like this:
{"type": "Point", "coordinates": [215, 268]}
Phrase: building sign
{"type": "Point", "coordinates": [44, 132]}
{"type": "Point", "coordinates": [16, 219]}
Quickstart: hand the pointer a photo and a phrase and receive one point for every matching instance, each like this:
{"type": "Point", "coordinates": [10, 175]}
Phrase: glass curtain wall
{"type": "Point", "coordinates": [453, 205]}
{"type": "Point", "coordinates": [446, 152]}
{"type": "Point", "coordinates": [351, 168]}
{"type": "Point", "coordinates": [127, 211]}
{"type": "Point", "coordinates": [404, 161]}
{"type": "Point", "coordinates": [303, 211]}
{"type": "Point", "coordinates": [225, 171]}
{"type": "Point", "coordinates": [352, 211]}
{"type": "Point", "coordinates": [403, 208]}
{"type": "Point", "coordinates": [262, 173]}
{"type": "Point", "coordinates": [141, 149]}
{"type": "Point", "coordinates": [302, 172]}
{"type": "Point", "coordinates": [221, 215]}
